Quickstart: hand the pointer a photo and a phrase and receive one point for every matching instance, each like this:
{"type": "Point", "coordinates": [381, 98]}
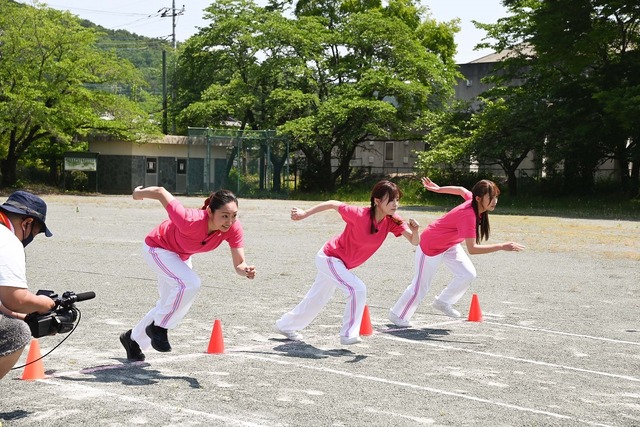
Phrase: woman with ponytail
{"type": "Point", "coordinates": [441, 242]}
{"type": "Point", "coordinates": [366, 228]}
{"type": "Point", "coordinates": [167, 249]}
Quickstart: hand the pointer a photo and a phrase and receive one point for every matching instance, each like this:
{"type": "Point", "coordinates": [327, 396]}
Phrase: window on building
{"type": "Point", "coordinates": [152, 165]}
{"type": "Point", "coordinates": [388, 151]}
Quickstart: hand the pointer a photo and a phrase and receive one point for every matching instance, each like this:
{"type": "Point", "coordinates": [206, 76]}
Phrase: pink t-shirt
{"type": "Point", "coordinates": [450, 229]}
{"type": "Point", "coordinates": [186, 232]}
{"type": "Point", "coordinates": [356, 244]}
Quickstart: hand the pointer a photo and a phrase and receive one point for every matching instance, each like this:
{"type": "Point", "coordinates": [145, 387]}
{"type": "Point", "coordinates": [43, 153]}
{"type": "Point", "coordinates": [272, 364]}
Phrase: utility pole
{"type": "Point", "coordinates": [172, 12]}
{"type": "Point", "coordinates": [165, 12]}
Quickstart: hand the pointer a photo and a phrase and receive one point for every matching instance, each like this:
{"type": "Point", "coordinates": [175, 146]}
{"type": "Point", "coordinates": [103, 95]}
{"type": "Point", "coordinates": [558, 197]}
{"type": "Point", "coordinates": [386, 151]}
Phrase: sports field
{"type": "Point", "coordinates": [559, 344]}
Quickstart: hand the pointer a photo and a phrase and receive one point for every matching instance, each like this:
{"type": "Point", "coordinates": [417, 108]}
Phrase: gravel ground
{"type": "Point", "coordinates": [559, 344]}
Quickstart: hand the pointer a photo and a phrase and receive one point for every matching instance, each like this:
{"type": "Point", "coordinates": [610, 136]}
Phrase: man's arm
{"type": "Point", "coordinates": [21, 300]}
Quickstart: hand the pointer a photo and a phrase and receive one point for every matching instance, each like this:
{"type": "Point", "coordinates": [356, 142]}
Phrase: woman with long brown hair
{"type": "Point", "coordinates": [365, 230]}
{"type": "Point", "coordinates": [441, 242]}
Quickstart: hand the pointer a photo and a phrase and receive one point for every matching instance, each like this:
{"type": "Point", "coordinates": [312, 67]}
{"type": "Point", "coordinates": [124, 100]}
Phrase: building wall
{"type": "Point", "coordinates": [374, 155]}
{"type": "Point", "coordinates": [470, 85]}
{"type": "Point", "coordinates": [121, 166]}
{"type": "Point", "coordinates": [119, 174]}
{"type": "Point", "coordinates": [167, 167]}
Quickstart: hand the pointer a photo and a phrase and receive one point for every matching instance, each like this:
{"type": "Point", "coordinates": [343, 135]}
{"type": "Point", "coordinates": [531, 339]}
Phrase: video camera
{"type": "Point", "coordinates": [61, 319]}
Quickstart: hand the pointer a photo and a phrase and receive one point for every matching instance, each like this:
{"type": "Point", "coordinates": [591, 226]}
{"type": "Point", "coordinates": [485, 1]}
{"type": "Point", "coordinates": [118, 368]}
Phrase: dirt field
{"type": "Point", "coordinates": [559, 344]}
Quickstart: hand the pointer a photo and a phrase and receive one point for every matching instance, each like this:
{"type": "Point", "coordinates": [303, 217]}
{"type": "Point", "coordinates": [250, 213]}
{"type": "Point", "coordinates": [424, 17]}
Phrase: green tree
{"type": "Point", "coordinates": [228, 71]}
{"type": "Point", "coordinates": [382, 69]}
{"type": "Point", "coordinates": [504, 132]}
{"type": "Point", "coordinates": [583, 56]}
{"type": "Point", "coordinates": [448, 140]}
{"type": "Point", "coordinates": [56, 85]}
{"type": "Point", "coordinates": [333, 76]}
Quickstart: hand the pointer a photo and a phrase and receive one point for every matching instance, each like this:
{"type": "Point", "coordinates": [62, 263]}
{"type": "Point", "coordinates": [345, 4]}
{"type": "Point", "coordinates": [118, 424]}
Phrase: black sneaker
{"type": "Point", "coordinates": [158, 337]}
{"type": "Point", "coordinates": [132, 347]}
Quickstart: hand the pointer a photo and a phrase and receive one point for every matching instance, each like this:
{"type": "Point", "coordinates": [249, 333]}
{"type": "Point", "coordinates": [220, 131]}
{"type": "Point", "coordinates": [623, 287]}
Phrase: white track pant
{"type": "Point", "coordinates": [178, 286]}
{"type": "Point", "coordinates": [332, 273]}
{"type": "Point", "coordinates": [456, 259]}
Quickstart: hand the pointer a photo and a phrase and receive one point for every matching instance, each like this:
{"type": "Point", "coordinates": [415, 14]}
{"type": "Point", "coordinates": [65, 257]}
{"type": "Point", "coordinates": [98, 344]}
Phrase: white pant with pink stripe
{"type": "Point", "coordinates": [332, 274]}
{"type": "Point", "coordinates": [456, 259]}
{"type": "Point", "coordinates": [178, 286]}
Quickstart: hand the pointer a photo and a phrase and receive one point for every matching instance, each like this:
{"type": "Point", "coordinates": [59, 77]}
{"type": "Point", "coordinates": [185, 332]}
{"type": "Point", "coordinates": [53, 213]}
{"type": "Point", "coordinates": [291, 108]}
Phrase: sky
{"type": "Point", "coordinates": [143, 17]}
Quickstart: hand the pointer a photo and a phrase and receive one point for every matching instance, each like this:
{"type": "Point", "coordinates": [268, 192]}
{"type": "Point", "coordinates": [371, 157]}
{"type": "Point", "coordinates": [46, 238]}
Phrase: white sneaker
{"type": "Point", "coordinates": [445, 308]}
{"type": "Point", "coordinates": [350, 341]}
{"type": "Point", "coordinates": [291, 335]}
{"type": "Point", "coordinates": [398, 321]}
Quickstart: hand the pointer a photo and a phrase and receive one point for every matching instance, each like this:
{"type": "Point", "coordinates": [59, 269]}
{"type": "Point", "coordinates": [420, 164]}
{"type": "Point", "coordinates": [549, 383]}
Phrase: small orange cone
{"type": "Point", "coordinates": [34, 370]}
{"type": "Point", "coordinates": [216, 343]}
{"type": "Point", "coordinates": [365, 325]}
{"type": "Point", "coordinates": [475, 314]}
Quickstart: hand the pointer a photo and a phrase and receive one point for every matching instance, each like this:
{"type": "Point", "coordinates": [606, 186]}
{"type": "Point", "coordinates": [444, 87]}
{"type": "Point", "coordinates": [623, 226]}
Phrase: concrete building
{"type": "Point", "coordinates": [181, 164]}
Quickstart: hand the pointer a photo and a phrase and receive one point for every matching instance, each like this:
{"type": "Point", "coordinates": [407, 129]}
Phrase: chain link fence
{"type": "Point", "coordinates": [248, 162]}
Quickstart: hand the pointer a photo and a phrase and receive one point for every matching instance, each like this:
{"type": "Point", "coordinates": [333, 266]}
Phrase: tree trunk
{"type": "Point", "coordinates": [8, 169]}
{"type": "Point", "coordinates": [278, 163]}
{"type": "Point", "coordinates": [54, 176]}
{"type": "Point", "coordinates": [512, 183]}
{"type": "Point", "coordinates": [230, 160]}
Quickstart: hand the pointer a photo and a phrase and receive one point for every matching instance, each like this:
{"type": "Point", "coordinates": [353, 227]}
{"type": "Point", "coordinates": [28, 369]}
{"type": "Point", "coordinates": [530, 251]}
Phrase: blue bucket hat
{"type": "Point", "coordinates": [25, 203]}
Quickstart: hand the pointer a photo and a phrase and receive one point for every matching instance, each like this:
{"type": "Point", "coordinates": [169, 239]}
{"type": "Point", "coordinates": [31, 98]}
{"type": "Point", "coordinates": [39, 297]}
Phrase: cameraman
{"type": "Point", "coordinates": [22, 217]}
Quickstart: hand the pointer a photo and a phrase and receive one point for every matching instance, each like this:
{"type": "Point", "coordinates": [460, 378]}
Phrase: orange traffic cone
{"type": "Point", "coordinates": [475, 314]}
{"type": "Point", "coordinates": [365, 325]}
{"type": "Point", "coordinates": [216, 343]}
{"type": "Point", "coordinates": [34, 369]}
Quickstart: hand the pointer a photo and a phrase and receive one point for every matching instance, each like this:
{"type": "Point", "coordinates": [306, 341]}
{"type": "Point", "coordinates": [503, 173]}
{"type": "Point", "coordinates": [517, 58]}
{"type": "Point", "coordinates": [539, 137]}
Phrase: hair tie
{"type": "Point", "coordinates": [206, 203]}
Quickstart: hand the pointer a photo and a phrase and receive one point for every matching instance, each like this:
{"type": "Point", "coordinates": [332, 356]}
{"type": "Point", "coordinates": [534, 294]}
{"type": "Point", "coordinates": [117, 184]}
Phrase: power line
{"type": "Point", "coordinates": [98, 11]}
{"type": "Point", "coordinates": [140, 19]}
{"type": "Point", "coordinates": [172, 13]}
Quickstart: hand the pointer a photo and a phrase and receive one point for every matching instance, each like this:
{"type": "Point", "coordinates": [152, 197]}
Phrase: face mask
{"type": "Point", "coordinates": [27, 240]}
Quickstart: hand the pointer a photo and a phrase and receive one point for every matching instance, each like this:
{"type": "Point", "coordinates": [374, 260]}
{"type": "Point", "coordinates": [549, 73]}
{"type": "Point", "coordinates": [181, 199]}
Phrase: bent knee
{"type": "Point", "coordinates": [194, 283]}
{"type": "Point", "coordinates": [468, 275]}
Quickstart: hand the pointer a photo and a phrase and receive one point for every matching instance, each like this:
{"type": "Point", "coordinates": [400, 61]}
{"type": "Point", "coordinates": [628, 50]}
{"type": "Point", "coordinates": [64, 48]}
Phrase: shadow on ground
{"type": "Point", "coordinates": [14, 415]}
{"type": "Point", "coordinates": [425, 334]}
{"type": "Point", "coordinates": [130, 374]}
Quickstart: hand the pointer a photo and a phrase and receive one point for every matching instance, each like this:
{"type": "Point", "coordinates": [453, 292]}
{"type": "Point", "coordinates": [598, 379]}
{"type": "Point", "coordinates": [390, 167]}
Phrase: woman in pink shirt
{"type": "Point", "coordinates": [366, 228]}
{"type": "Point", "coordinates": [168, 249]}
{"type": "Point", "coordinates": [441, 242]}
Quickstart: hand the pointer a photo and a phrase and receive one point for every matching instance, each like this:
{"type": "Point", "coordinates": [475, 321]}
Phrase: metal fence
{"type": "Point", "coordinates": [247, 162]}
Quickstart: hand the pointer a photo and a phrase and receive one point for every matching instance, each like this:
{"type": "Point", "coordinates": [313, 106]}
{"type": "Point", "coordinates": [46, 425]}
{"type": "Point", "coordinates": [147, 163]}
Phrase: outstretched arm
{"type": "Point", "coordinates": [450, 189]}
{"type": "Point", "coordinates": [155, 193]}
{"type": "Point", "coordinates": [476, 249]}
{"type": "Point", "coordinates": [298, 214]}
{"type": "Point", "coordinates": [239, 263]}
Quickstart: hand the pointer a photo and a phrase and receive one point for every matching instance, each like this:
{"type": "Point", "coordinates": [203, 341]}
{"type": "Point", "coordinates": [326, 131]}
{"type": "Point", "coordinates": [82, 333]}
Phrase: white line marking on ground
{"type": "Point", "coordinates": [516, 359]}
{"type": "Point", "coordinates": [91, 391]}
{"type": "Point", "coordinates": [549, 331]}
{"type": "Point", "coordinates": [418, 420]}
{"type": "Point", "coordinates": [279, 360]}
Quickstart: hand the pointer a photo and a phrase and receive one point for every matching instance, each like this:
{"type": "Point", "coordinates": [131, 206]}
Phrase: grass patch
{"type": "Point", "coordinates": [610, 206]}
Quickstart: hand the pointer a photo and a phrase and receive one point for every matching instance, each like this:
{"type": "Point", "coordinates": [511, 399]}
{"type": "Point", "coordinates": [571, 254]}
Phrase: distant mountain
{"type": "Point", "coordinates": [143, 52]}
